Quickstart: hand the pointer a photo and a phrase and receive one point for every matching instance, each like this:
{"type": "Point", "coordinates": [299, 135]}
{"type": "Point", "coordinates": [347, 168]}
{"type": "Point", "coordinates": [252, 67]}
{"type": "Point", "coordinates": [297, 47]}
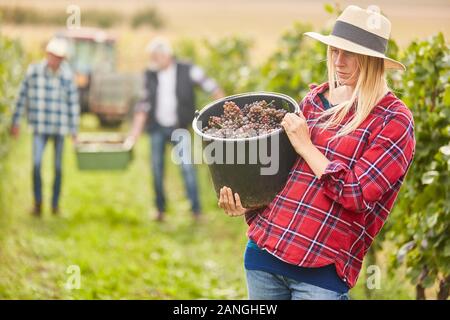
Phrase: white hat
{"type": "Point", "coordinates": [159, 44]}
{"type": "Point", "coordinates": [361, 31]}
{"type": "Point", "coordinates": [58, 47]}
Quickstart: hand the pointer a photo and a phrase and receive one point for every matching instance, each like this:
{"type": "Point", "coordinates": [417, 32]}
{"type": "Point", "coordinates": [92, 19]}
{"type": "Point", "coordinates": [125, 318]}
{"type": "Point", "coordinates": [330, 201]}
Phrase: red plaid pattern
{"type": "Point", "coordinates": [314, 222]}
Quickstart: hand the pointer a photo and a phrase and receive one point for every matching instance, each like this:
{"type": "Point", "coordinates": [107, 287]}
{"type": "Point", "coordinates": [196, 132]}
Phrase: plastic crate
{"type": "Point", "coordinates": [102, 151]}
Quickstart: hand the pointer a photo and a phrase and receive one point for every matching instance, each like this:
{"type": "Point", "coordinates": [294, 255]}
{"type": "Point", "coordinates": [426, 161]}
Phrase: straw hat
{"type": "Point", "coordinates": [58, 47]}
{"type": "Point", "coordinates": [362, 31]}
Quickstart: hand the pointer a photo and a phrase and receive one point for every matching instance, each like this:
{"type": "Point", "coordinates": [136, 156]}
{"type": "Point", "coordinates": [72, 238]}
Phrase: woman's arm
{"type": "Point", "coordinates": [298, 133]}
{"type": "Point", "coordinates": [383, 164]}
{"type": "Point", "coordinates": [385, 161]}
{"type": "Point", "coordinates": [315, 159]}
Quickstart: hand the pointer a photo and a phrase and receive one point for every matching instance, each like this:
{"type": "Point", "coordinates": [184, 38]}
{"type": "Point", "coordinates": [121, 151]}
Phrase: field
{"type": "Point", "coordinates": [106, 227]}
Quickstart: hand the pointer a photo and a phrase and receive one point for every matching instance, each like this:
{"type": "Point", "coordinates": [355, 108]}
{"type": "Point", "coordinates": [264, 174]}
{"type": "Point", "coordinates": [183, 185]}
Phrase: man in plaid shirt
{"type": "Point", "coordinates": [49, 95]}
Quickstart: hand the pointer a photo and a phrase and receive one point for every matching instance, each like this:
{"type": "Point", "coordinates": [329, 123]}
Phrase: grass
{"type": "Point", "coordinates": [106, 231]}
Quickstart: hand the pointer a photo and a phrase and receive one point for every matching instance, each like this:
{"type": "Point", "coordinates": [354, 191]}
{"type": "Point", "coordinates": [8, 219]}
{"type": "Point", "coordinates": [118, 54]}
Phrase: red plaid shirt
{"type": "Point", "coordinates": [314, 222]}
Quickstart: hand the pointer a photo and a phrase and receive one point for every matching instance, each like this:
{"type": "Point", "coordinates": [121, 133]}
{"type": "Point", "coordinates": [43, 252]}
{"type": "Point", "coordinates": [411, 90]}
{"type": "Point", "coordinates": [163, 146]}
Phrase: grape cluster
{"type": "Point", "coordinates": [256, 118]}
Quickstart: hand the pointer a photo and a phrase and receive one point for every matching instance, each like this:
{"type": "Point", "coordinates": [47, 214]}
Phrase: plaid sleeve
{"type": "Point", "coordinates": [306, 102]}
{"type": "Point", "coordinates": [385, 161]}
{"type": "Point", "coordinates": [302, 103]}
{"type": "Point", "coordinates": [251, 214]}
{"type": "Point", "coordinates": [199, 77]}
{"type": "Point", "coordinates": [22, 99]}
{"type": "Point", "coordinates": [74, 106]}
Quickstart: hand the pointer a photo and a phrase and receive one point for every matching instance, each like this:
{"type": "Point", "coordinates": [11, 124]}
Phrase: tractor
{"type": "Point", "coordinates": [103, 91]}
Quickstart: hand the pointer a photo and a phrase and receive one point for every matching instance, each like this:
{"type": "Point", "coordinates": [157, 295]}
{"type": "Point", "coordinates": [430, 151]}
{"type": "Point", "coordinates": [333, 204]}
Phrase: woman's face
{"type": "Point", "coordinates": [346, 66]}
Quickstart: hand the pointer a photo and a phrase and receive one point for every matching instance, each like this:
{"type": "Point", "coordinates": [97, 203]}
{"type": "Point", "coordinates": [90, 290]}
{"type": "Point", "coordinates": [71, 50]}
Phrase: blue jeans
{"type": "Point", "coordinates": [268, 286]}
{"type": "Point", "coordinates": [159, 137]}
{"type": "Point", "coordinates": [39, 142]}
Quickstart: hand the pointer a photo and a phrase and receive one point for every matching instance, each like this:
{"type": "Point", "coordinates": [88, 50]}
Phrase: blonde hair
{"type": "Point", "coordinates": [370, 87]}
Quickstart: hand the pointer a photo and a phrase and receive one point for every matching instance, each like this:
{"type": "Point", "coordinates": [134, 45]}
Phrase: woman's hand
{"type": "Point", "coordinates": [230, 204]}
{"type": "Point", "coordinates": [297, 131]}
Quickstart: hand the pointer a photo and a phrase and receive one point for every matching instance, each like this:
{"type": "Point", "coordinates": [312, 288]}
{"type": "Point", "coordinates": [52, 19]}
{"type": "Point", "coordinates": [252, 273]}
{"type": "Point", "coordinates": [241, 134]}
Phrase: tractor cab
{"type": "Point", "coordinates": [103, 91]}
{"type": "Point", "coordinates": [91, 51]}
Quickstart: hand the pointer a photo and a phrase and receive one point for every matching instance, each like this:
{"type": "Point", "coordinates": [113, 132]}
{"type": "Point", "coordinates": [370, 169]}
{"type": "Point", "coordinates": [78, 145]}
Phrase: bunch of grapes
{"type": "Point", "coordinates": [256, 118]}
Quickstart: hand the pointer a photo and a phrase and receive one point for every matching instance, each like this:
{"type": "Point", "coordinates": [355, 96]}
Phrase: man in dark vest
{"type": "Point", "coordinates": [168, 103]}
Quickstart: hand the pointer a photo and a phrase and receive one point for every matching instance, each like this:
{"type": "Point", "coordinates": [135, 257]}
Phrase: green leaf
{"type": "Point", "coordinates": [445, 150]}
{"type": "Point", "coordinates": [285, 106]}
{"type": "Point", "coordinates": [446, 252]}
{"type": "Point", "coordinates": [429, 177]}
{"type": "Point", "coordinates": [329, 8]}
{"type": "Point", "coordinates": [431, 221]}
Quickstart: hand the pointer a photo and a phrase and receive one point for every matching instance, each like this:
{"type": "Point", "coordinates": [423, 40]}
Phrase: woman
{"type": "Point", "coordinates": [355, 141]}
